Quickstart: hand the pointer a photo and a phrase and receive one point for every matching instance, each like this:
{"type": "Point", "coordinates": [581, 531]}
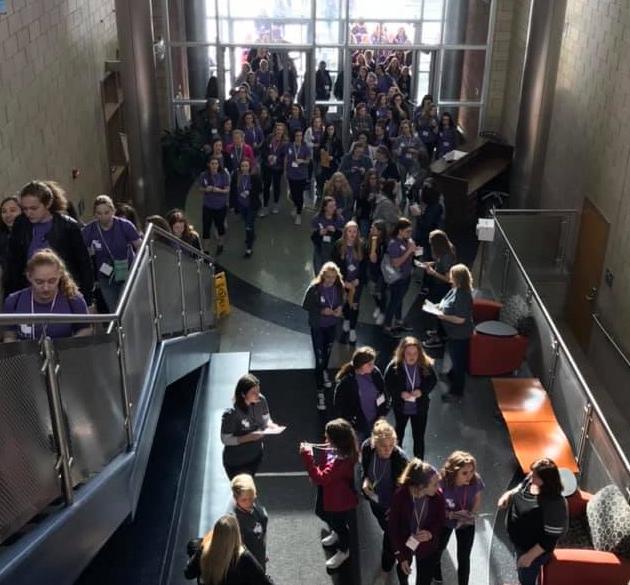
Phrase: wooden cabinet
{"type": "Point", "coordinates": [115, 131]}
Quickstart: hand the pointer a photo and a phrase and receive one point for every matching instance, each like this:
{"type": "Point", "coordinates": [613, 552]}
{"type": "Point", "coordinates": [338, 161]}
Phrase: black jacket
{"type": "Point", "coordinates": [395, 383]}
{"type": "Point", "coordinates": [65, 239]}
{"type": "Point", "coordinates": [254, 191]}
{"type": "Point", "coordinates": [313, 304]}
{"type": "Point", "coordinates": [398, 458]}
{"type": "Point", "coordinates": [347, 403]}
{"type": "Point", "coordinates": [322, 80]}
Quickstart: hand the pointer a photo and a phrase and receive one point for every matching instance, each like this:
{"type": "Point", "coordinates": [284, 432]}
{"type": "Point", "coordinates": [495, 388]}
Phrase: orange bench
{"type": "Point", "coordinates": [531, 422]}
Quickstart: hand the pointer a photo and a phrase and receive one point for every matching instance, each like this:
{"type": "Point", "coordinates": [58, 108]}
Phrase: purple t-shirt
{"type": "Point", "coordinates": [215, 200]}
{"type": "Point", "coordinates": [40, 236]}
{"type": "Point", "coordinates": [320, 221]}
{"type": "Point", "coordinates": [112, 244]}
{"type": "Point", "coordinates": [297, 171]}
{"type": "Point", "coordinates": [380, 474]}
{"type": "Point", "coordinates": [460, 497]}
{"type": "Point", "coordinates": [352, 265]}
{"type": "Point", "coordinates": [412, 381]}
{"type": "Point", "coordinates": [22, 301]}
{"type": "Point", "coordinates": [396, 248]}
{"type": "Point", "coordinates": [275, 154]}
{"type": "Point", "coordinates": [367, 396]}
{"type": "Point", "coordinates": [328, 297]}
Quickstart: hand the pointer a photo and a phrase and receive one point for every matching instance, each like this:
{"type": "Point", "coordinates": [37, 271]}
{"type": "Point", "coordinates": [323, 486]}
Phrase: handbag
{"type": "Point", "coordinates": [391, 274]}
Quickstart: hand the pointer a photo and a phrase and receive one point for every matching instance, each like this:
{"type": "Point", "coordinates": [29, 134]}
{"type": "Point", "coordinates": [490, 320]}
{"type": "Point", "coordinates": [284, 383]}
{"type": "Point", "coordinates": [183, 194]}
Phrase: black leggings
{"type": "Point", "coordinates": [387, 556]}
{"type": "Point", "coordinates": [418, 427]}
{"type": "Point", "coordinates": [251, 467]}
{"type": "Point", "coordinates": [338, 521]}
{"type": "Point", "coordinates": [323, 339]}
{"type": "Point", "coordinates": [216, 216]}
{"type": "Point", "coordinates": [352, 314]}
{"type": "Point", "coordinates": [424, 571]}
{"type": "Point", "coordinates": [465, 538]}
{"type": "Point", "coordinates": [296, 187]}
{"type": "Point", "coordinates": [271, 177]}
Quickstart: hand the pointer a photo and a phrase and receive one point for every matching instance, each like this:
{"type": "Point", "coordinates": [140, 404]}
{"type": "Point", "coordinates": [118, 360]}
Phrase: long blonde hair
{"type": "Point", "coordinates": [48, 257]}
{"type": "Point", "coordinates": [222, 551]}
{"type": "Point", "coordinates": [329, 267]}
{"type": "Point", "coordinates": [461, 277]}
{"type": "Point", "coordinates": [329, 186]}
{"type": "Point", "coordinates": [357, 247]}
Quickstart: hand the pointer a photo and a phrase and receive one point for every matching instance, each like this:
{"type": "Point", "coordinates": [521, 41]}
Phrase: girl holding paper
{"type": "Point", "coordinates": [243, 426]}
{"type": "Point", "coordinates": [383, 463]}
{"type": "Point", "coordinates": [461, 488]}
{"type": "Point", "coordinates": [409, 379]}
{"type": "Point", "coordinates": [416, 520]}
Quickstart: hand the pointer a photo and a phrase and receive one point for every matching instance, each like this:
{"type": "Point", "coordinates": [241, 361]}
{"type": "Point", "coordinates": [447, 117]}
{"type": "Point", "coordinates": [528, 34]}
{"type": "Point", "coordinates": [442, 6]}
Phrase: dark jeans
{"type": "Point", "coordinates": [251, 467]}
{"type": "Point", "coordinates": [397, 292]}
{"type": "Point", "coordinates": [210, 216]}
{"type": "Point", "coordinates": [424, 571]}
{"type": "Point", "coordinates": [465, 538]}
{"type": "Point", "coordinates": [271, 177]}
{"type": "Point", "coordinates": [529, 575]}
{"type": "Point", "coordinates": [350, 313]}
{"type": "Point", "coordinates": [249, 219]}
{"type": "Point", "coordinates": [387, 556]}
{"type": "Point", "coordinates": [337, 521]}
{"type": "Point", "coordinates": [296, 187]}
{"type": "Point", "coordinates": [458, 350]}
{"type": "Point", "coordinates": [418, 427]}
{"type": "Point", "coordinates": [323, 339]}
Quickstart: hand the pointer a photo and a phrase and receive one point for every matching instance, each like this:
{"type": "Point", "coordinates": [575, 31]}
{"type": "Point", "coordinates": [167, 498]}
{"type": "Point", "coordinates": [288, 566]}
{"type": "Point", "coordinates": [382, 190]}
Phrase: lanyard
{"type": "Point", "coordinates": [244, 185]}
{"type": "Point", "coordinates": [102, 237]}
{"type": "Point", "coordinates": [377, 479]}
{"type": "Point", "coordinates": [332, 296]}
{"type": "Point", "coordinates": [419, 517]}
{"type": "Point", "coordinates": [412, 381]}
{"type": "Point", "coordinates": [462, 505]}
{"type": "Point", "coordinates": [237, 152]}
{"type": "Point", "coordinates": [52, 308]}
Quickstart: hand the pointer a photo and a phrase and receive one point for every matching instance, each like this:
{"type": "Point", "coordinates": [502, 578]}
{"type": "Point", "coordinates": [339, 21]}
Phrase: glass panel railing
{"type": "Point", "coordinates": [598, 451]}
{"type": "Point", "coordinates": [59, 429]}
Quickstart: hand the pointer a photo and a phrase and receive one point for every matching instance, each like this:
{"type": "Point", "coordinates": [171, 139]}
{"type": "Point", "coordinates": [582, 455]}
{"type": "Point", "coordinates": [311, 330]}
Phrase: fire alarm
{"type": "Point", "coordinates": [75, 173]}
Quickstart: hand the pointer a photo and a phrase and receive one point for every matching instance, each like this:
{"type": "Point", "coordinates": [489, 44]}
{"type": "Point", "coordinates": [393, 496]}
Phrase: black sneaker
{"type": "Point", "coordinates": [432, 343]}
{"type": "Point", "coordinates": [402, 327]}
{"type": "Point", "coordinates": [321, 400]}
{"type": "Point", "coordinates": [248, 253]}
{"type": "Point", "coordinates": [219, 250]}
{"type": "Point", "coordinates": [451, 398]}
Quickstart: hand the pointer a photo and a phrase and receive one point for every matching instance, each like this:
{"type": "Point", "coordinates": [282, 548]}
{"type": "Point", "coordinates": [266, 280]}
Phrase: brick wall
{"type": "Point", "coordinates": [588, 153]}
{"type": "Point", "coordinates": [52, 55]}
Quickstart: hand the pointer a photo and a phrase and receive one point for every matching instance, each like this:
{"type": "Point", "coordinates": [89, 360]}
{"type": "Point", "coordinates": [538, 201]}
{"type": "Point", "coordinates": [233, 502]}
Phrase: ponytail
{"type": "Point", "coordinates": [363, 355]}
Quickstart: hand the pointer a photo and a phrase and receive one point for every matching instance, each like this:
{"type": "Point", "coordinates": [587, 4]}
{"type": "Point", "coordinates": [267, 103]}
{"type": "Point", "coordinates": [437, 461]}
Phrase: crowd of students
{"type": "Point", "coordinates": [50, 262]}
{"type": "Point", "coordinates": [417, 507]}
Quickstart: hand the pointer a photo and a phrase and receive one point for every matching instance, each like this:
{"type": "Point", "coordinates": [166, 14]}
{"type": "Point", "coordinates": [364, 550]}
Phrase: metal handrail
{"type": "Point", "coordinates": [608, 336]}
{"type": "Point", "coordinates": [17, 318]}
{"type": "Point", "coordinates": [564, 347]}
{"type": "Point", "coordinates": [534, 211]}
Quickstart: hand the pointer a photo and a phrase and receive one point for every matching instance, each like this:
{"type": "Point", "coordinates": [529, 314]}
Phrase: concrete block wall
{"type": "Point", "coordinates": [588, 152]}
{"type": "Point", "coordinates": [52, 55]}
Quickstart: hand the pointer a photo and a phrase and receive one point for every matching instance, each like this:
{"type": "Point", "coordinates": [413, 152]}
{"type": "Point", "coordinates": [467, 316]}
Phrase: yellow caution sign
{"type": "Point", "coordinates": [222, 299]}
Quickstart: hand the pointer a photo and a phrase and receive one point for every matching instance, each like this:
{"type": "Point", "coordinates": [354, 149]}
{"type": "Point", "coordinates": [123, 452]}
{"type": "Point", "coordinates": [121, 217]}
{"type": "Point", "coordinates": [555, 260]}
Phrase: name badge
{"type": "Point", "coordinates": [295, 165]}
{"type": "Point", "coordinates": [352, 267]}
{"type": "Point", "coordinates": [322, 299]}
{"type": "Point", "coordinates": [245, 423]}
{"type": "Point", "coordinates": [327, 239]}
{"type": "Point", "coordinates": [412, 543]}
{"type": "Point", "coordinates": [446, 143]}
{"type": "Point", "coordinates": [26, 329]}
{"type": "Point", "coordinates": [402, 247]}
{"type": "Point", "coordinates": [106, 269]}
{"type": "Point", "coordinates": [380, 400]}
{"type": "Point", "coordinates": [374, 497]}
{"type": "Point", "coordinates": [245, 193]}
{"type": "Point", "coordinates": [412, 399]}
{"type": "Point", "coordinates": [327, 87]}
{"type": "Point", "coordinates": [214, 131]}
{"type": "Point", "coordinates": [272, 159]}
{"type": "Point", "coordinates": [425, 133]}
{"type": "Point", "coordinates": [257, 528]}
{"type": "Point", "coordinates": [96, 244]}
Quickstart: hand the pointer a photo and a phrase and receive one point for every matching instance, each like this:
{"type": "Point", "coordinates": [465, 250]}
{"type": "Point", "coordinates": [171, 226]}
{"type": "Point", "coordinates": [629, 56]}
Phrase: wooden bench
{"type": "Point", "coordinates": [531, 422]}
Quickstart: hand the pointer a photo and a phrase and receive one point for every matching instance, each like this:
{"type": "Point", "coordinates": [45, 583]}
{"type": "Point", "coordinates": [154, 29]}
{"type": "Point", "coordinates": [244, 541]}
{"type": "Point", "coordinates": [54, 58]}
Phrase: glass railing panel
{"type": "Point", "coordinates": [168, 288]}
{"type": "Point", "coordinates": [90, 387]}
{"type": "Point", "coordinates": [192, 293]}
{"type": "Point", "coordinates": [28, 479]}
{"type": "Point", "coordinates": [207, 289]}
{"type": "Point", "coordinates": [540, 351]}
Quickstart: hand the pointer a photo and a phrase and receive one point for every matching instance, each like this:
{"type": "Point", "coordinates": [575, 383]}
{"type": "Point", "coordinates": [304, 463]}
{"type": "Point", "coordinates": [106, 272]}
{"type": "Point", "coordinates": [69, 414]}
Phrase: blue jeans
{"type": "Point", "coordinates": [529, 575]}
{"type": "Point", "coordinates": [249, 219]}
{"type": "Point", "coordinates": [397, 292]}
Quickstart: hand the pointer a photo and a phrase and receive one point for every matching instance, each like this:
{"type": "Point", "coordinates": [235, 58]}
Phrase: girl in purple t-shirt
{"type": "Point", "coordinates": [51, 290]}
{"type": "Point", "coordinates": [214, 184]}
{"type": "Point", "coordinates": [461, 488]}
{"type": "Point", "coordinates": [298, 157]}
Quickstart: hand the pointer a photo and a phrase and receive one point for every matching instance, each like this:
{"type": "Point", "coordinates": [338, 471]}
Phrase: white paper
{"type": "Point", "coordinates": [430, 308]}
{"type": "Point", "coordinates": [327, 239]}
{"type": "Point", "coordinates": [274, 430]}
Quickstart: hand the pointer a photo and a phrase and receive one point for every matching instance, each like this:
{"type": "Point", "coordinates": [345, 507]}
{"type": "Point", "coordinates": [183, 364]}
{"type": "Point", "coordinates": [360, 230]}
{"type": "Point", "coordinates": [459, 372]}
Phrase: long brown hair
{"type": "Point", "coordinates": [454, 462]}
{"type": "Point", "coordinates": [177, 215]}
{"type": "Point", "coordinates": [48, 257]}
{"type": "Point", "coordinates": [548, 472]}
{"type": "Point", "coordinates": [357, 247]}
{"type": "Point", "coordinates": [440, 244]}
{"type": "Point", "coordinates": [329, 186]}
{"type": "Point", "coordinates": [360, 357]}
{"type": "Point", "coordinates": [342, 437]}
{"type": "Point", "coordinates": [50, 194]}
{"type": "Point", "coordinates": [417, 473]}
{"type": "Point", "coordinates": [424, 360]}
{"type": "Point", "coordinates": [222, 551]}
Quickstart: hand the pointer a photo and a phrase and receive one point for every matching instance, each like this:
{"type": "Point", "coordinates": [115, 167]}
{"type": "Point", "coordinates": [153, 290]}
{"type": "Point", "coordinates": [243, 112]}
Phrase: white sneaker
{"type": "Point", "coordinates": [346, 325]}
{"type": "Point", "coordinates": [298, 220]}
{"type": "Point", "coordinates": [275, 209]}
{"type": "Point", "coordinates": [263, 212]}
{"type": "Point", "coordinates": [331, 539]}
{"type": "Point", "coordinates": [380, 319]}
{"type": "Point", "coordinates": [376, 313]}
{"type": "Point", "coordinates": [381, 578]}
{"type": "Point", "coordinates": [327, 382]}
{"type": "Point", "coordinates": [321, 402]}
{"type": "Point", "coordinates": [293, 213]}
{"type": "Point", "coordinates": [352, 338]}
{"type": "Point", "coordinates": [337, 560]}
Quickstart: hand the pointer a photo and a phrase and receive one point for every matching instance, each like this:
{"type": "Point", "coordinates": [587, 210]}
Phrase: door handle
{"type": "Point", "coordinates": [591, 296]}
